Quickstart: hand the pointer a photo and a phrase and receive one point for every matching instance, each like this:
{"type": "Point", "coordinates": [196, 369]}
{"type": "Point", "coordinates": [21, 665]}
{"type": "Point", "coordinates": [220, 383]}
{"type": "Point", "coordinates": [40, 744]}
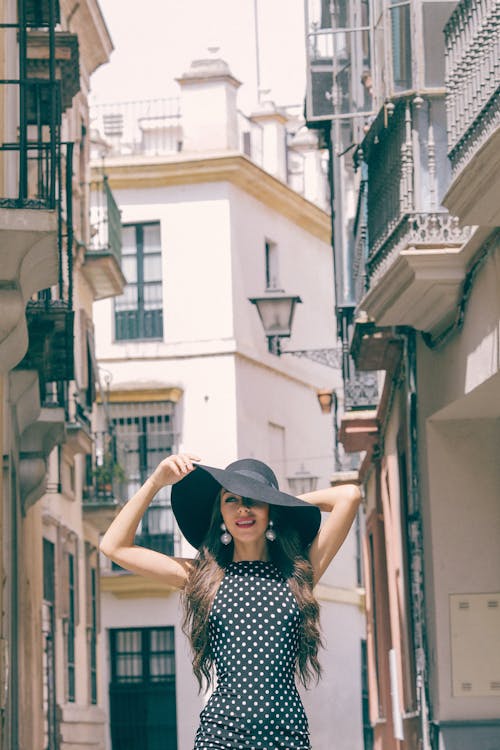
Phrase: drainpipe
{"type": "Point", "coordinates": [415, 536]}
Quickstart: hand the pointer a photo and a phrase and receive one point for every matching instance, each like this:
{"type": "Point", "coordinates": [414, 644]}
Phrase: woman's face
{"type": "Point", "coordinates": [246, 520]}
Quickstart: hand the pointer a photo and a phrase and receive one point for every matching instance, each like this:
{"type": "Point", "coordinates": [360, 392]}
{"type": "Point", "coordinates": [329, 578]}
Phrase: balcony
{"type": "Point", "coordinates": [144, 128]}
{"type": "Point", "coordinates": [473, 112]}
{"type": "Point", "coordinates": [34, 190]}
{"type": "Point", "coordinates": [79, 430]}
{"type": "Point", "coordinates": [409, 260]}
{"type": "Point", "coordinates": [67, 68]}
{"type": "Point", "coordinates": [51, 347]}
{"type": "Point", "coordinates": [100, 509]}
{"type": "Point", "coordinates": [102, 265]}
{"type": "Point", "coordinates": [102, 477]}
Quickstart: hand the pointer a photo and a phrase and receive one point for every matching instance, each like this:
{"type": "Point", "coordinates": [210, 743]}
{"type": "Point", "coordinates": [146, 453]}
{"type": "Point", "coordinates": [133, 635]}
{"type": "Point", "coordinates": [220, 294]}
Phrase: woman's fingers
{"type": "Point", "coordinates": [182, 463]}
{"type": "Point", "coordinates": [174, 468]}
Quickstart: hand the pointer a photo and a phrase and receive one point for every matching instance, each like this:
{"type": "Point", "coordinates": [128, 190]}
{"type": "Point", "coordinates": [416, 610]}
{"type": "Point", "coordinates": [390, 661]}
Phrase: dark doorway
{"type": "Point", "coordinates": [142, 689]}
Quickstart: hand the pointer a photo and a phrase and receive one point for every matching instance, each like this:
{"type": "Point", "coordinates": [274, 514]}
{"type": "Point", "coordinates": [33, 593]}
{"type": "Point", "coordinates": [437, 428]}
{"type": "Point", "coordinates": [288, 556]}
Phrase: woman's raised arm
{"type": "Point", "coordinates": [118, 541]}
{"type": "Point", "coordinates": [342, 503]}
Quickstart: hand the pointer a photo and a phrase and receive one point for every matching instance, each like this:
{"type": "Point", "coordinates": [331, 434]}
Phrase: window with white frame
{"type": "Point", "coordinates": [139, 310]}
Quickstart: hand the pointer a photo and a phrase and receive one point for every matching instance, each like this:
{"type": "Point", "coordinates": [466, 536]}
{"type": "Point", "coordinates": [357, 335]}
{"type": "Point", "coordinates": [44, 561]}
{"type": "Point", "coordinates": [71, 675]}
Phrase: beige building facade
{"type": "Point", "coordinates": [50, 272]}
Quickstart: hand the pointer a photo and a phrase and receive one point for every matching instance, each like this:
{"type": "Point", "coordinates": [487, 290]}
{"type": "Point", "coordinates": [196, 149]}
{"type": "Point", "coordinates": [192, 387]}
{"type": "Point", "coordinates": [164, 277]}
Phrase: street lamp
{"type": "Point", "coordinates": [276, 310]}
{"type": "Point", "coordinates": [302, 482]}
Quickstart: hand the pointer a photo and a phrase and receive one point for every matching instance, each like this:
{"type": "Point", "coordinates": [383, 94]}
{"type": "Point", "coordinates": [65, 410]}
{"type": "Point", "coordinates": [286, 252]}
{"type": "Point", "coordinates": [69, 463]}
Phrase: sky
{"type": "Point", "coordinates": [156, 40]}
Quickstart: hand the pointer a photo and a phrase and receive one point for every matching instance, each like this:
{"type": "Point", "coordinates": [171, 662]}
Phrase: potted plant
{"type": "Point", "coordinates": [107, 471]}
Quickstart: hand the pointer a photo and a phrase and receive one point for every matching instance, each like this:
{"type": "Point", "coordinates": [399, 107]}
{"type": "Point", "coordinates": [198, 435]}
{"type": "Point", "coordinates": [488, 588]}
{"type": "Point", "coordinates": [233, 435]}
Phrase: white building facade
{"type": "Point", "coordinates": [210, 220]}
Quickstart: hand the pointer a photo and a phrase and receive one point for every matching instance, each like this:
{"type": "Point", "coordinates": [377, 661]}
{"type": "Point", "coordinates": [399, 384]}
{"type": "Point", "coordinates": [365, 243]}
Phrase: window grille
{"type": "Point", "coordinates": [142, 655]}
{"type": "Point", "coordinates": [144, 436]}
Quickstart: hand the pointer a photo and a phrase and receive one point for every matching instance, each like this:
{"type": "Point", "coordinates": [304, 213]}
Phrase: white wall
{"type": "Point", "coordinates": [464, 479]}
{"type": "Point", "coordinates": [333, 706]}
{"type": "Point", "coordinates": [155, 612]}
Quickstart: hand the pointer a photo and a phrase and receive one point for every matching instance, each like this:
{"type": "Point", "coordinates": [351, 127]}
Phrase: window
{"type": "Point", "coordinates": [50, 723]}
{"type": "Point", "coordinates": [401, 44]}
{"type": "Point", "coordinates": [365, 704]}
{"type": "Point", "coordinates": [68, 610]}
{"type": "Point", "coordinates": [92, 620]}
{"type": "Point", "coordinates": [142, 689]}
{"type": "Point", "coordinates": [144, 436]}
{"type": "Point", "coordinates": [70, 630]}
{"type": "Point", "coordinates": [139, 310]}
{"type": "Point", "coordinates": [271, 260]}
{"type": "Point", "coordinates": [406, 606]}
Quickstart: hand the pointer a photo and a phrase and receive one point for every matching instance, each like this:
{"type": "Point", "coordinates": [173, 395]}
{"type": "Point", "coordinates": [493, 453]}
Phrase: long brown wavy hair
{"type": "Point", "coordinates": [290, 557]}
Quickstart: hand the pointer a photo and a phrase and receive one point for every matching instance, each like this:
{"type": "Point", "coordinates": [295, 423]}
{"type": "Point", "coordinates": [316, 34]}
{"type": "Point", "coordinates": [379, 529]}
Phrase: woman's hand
{"type": "Point", "coordinates": [118, 541]}
{"type": "Point", "coordinates": [172, 469]}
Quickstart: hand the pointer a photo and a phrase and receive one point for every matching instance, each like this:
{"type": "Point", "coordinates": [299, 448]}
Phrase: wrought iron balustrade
{"type": "Point", "coordinates": [416, 228]}
{"type": "Point", "coordinates": [105, 220]}
{"type": "Point", "coordinates": [34, 94]}
{"type": "Point", "coordinates": [388, 155]}
{"type": "Point", "coordinates": [50, 315]}
{"type": "Point", "coordinates": [361, 391]}
{"type": "Point", "coordinates": [360, 239]}
{"type": "Point", "coordinates": [472, 38]}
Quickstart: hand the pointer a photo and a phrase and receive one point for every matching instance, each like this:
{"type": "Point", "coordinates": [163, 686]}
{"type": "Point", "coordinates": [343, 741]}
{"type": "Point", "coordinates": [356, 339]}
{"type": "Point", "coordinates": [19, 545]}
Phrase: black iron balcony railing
{"type": "Point", "coordinates": [360, 238]}
{"type": "Point", "coordinates": [472, 37]}
{"type": "Point", "coordinates": [388, 155]}
{"type": "Point", "coordinates": [50, 316]}
{"type": "Point", "coordinates": [30, 143]}
{"type": "Point", "coordinates": [105, 219]}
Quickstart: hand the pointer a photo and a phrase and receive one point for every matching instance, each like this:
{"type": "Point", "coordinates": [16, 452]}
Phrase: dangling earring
{"type": "Point", "coordinates": [270, 533]}
{"type": "Point", "coordinates": [225, 537]}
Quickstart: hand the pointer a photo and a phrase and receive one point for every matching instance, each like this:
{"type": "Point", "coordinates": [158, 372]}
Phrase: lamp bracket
{"type": "Point", "coordinates": [328, 357]}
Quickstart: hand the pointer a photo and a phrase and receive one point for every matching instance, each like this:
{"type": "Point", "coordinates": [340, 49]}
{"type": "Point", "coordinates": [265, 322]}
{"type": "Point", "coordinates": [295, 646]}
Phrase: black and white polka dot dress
{"type": "Point", "coordinates": [254, 633]}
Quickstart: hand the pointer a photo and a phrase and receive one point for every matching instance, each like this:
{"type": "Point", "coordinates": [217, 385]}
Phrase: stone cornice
{"type": "Point", "coordinates": [93, 35]}
{"type": "Point", "coordinates": [131, 586]}
{"type": "Point", "coordinates": [338, 595]}
{"type": "Point", "coordinates": [144, 172]}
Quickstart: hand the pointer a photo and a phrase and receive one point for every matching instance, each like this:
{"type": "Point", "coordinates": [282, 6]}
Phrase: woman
{"type": "Point", "coordinates": [248, 595]}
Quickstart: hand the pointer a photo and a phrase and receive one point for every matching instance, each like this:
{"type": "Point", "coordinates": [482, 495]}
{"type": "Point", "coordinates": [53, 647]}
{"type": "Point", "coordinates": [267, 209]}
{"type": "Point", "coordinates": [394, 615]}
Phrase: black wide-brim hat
{"type": "Point", "coordinates": [194, 496]}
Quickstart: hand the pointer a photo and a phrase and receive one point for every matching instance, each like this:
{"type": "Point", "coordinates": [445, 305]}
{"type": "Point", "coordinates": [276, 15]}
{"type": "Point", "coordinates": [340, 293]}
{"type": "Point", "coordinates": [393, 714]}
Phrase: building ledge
{"type": "Point", "coordinates": [131, 586]}
{"type": "Point", "coordinates": [28, 238]}
{"type": "Point", "coordinates": [93, 35]}
{"type": "Point", "coordinates": [338, 595]}
{"type": "Point", "coordinates": [359, 431]}
{"type": "Point", "coordinates": [78, 438]}
{"type": "Point", "coordinates": [374, 348]}
{"type": "Point", "coordinates": [36, 444]}
{"type": "Point", "coordinates": [233, 167]}
{"type": "Point", "coordinates": [103, 272]}
{"type": "Point", "coordinates": [420, 288]}
{"type": "Point", "coordinates": [99, 511]}
{"type": "Point", "coordinates": [473, 195]}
